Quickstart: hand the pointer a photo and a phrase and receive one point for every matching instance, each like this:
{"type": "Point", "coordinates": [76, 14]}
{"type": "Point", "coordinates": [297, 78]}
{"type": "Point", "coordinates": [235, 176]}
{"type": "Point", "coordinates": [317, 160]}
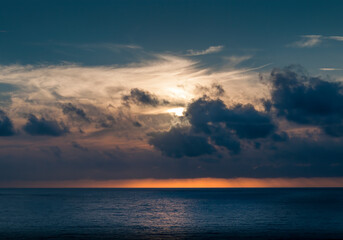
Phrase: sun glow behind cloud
{"type": "Point", "coordinates": [170, 77]}
{"type": "Point", "coordinates": [177, 111]}
{"type": "Point", "coordinates": [112, 113]}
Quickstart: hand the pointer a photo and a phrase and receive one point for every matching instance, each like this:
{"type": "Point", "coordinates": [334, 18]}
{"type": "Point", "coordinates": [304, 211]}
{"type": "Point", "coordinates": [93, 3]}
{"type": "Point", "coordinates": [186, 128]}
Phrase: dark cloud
{"type": "Point", "coordinates": [35, 126]}
{"type": "Point", "coordinates": [101, 118]}
{"type": "Point", "coordinates": [267, 104]}
{"type": "Point", "coordinates": [298, 157]}
{"type": "Point", "coordinates": [75, 113]}
{"type": "Point", "coordinates": [218, 89]}
{"type": "Point", "coordinates": [179, 142]}
{"type": "Point", "coordinates": [224, 138]}
{"type": "Point", "coordinates": [6, 125]}
{"type": "Point", "coordinates": [244, 120]}
{"type": "Point", "coordinates": [308, 100]}
{"type": "Point", "coordinates": [257, 145]}
{"type": "Point", "coordinates": [223, 126]}
{"type": "Point", "coordinates": [143, 98]}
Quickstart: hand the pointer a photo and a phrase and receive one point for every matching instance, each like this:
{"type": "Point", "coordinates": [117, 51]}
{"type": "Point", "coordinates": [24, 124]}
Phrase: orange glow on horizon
{"type": "Point", "coordinates": [185, 183]}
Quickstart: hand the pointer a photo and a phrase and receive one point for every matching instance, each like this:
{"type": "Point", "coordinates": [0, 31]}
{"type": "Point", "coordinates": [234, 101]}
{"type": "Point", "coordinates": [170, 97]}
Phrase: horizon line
{"type": "Point", "coordinates": [186, 183]}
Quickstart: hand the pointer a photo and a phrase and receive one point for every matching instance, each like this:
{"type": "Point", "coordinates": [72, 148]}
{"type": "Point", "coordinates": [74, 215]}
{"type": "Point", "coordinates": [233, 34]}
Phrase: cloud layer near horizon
{"type": "Point", "coordinates": [70, 122]}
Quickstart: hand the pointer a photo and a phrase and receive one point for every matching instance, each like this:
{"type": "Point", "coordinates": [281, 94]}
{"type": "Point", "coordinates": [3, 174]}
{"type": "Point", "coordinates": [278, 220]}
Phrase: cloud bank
{"type": "Point", "coordinates": [308, 100]}
{"type": "Point", "coordinates": [74, 122]}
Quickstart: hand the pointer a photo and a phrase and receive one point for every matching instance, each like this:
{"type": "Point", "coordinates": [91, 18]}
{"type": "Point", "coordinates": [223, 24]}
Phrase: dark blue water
{"type": "Point", "coordinates": [171, 213]}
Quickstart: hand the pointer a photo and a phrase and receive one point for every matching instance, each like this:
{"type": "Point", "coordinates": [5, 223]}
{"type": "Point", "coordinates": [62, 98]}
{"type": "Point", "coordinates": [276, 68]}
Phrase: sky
{"type": "Point", "coordinates": [185, 93]}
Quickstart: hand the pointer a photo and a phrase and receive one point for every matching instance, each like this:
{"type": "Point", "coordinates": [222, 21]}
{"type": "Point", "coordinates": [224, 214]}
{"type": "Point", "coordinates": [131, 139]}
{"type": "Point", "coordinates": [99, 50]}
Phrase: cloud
{"type": "Point", "coordinates": [115, 46]}
{"type": "Point", "coordinates": [35, 126]}
{"type": "Point", "coordinates": [214, 90]}
{"type": "Point", "coordinates": [308, 41]}
{"type": "Point", "coordinates": [297, 157]}
{"type": "Point", "coordinates": [108, 46]}
{"type": "Point", "coordinates": [215, 138]}
{"type": "Point", "coordinates": [101, 118]}
{"type": "Point", "coordinates": [337, 38]}
{"type": "Point", "coordinates": [171, 78]}
{"type": "Point", "coordinates": [308, 100]}
{"type": "Point", "coordinates": [211, 120]}
{"type": "Point", "coordinates": [224, 138]}
{"type": "Point", "coordinates": [178, 142]}
{"type": "Point", "coordinates": [75, 113]}
{"type": "Point", "coordinates": [233, 61]}
{"type": "Point", "coordinates": [143, 98]}
{"type": "Point", "coordinates": [330, 69]}
{"type": "Point", "coordinates": [234, 132]}
{"type": "Point", "coordinates": [211, 49]}
{"type": "Point", "coordinates": [6, 125]}
{"type": "Point", "coordinates": [244, 120]}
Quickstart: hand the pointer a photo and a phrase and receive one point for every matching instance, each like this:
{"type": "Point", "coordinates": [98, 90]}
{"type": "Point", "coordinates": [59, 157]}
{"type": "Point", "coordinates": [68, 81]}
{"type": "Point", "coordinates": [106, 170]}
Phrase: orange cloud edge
{"type": "Point", "coordinates": [183, 183]}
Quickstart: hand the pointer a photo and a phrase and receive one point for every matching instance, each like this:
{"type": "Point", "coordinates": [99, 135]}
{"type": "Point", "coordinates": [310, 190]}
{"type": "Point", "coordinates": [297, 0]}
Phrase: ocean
{"type": "Point", "coordinates": [277, 213]}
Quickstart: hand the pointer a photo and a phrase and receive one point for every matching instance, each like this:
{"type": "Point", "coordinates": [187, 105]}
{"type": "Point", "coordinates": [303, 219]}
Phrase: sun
{"type": "Point", "coordinates": [177, 111]}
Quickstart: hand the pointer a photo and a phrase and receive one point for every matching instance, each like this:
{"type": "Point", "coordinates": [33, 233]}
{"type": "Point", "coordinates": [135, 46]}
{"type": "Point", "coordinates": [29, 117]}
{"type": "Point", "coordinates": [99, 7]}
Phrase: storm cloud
{"type": "Point", "coordinates": [220, 125]}
{"type": "Point", "coordinates": [42, 126]}
{"type": "Point", "coordinates": [178, 142]}
{"type": "Point", "coordinates": [6, 125]}
{"type": "Point", "coordinates": [244, 120]}
{"type": "Point", "coordinates": [308, 100]}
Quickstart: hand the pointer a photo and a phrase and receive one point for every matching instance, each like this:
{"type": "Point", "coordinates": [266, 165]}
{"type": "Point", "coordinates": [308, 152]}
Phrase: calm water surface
{"type": "Point", "coordinates": [171, 213]}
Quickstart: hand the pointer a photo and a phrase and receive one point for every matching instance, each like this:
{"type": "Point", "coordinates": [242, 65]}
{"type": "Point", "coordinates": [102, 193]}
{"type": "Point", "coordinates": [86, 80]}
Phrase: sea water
{"type": "Point", "coordinates": [309, 213]}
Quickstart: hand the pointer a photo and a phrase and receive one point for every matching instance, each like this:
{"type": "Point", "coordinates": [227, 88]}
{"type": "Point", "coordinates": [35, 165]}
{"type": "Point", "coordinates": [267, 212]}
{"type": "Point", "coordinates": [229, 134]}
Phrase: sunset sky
{"type": "Point", "coordinates": [171, 93]}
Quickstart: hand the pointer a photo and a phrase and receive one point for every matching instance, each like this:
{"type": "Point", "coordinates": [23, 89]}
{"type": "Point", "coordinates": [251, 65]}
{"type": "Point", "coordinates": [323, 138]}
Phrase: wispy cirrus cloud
{"type": "Point", "coordinates": [337, 38]}
{"type": "Point", "coordinates": [330, 69]}
{"type": "Point", "coordinates": [233, 61]}
{"type": "Point", "coordinates": [309, 41]}
{"type": "Point", "coordinates": [108, 46]}
{"type": "Point", "coordinates": [89, 99]}
{"type": "Point", "coordinates": [211, 49]}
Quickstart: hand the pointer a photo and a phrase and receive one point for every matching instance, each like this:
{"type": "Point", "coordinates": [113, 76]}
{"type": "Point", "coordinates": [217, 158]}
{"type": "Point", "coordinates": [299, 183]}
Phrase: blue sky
{"type": "Point", "coordinates": [35, 32]}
